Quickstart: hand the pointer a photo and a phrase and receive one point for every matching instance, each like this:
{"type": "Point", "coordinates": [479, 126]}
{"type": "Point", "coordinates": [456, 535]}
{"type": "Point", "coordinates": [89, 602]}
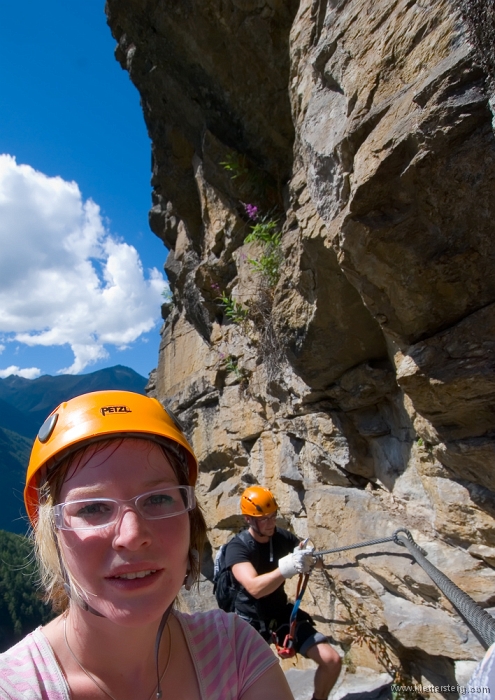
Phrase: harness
{"type": "Point", "coordinates": [287, 649]}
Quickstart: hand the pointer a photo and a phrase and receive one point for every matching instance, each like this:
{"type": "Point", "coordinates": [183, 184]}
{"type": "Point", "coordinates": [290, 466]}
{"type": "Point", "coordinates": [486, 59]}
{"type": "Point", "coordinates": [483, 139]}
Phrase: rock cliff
{"type": "Point", "coordinates": [343, 354]}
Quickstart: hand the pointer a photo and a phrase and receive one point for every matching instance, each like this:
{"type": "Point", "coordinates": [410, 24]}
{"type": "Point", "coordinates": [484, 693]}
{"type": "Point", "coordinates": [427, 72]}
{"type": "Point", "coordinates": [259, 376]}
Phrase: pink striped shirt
{"type": "Point", "coordinates": [228, 655]}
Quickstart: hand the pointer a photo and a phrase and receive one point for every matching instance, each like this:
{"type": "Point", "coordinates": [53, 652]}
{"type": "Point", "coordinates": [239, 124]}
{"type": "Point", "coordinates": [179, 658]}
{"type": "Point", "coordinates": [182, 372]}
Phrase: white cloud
{"type": "Point", "coordinates": [27, 372]}
{"type": "Point", "coordinates": [2, 348]}
{"type": "Point", "coordinates": [64, 279]}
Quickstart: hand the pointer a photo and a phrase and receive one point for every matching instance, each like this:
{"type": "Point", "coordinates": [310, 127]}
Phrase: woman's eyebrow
{"type": "Point", "coordinates": [79, 491]}
{"type": "Point", "coordinates": [96, 490]}
{"type": "Point", "coordinates": [163, 480]}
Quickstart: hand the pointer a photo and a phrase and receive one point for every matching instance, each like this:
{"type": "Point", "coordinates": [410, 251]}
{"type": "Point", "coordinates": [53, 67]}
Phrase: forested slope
{"type": "Point", "coordinates": [21, 607]}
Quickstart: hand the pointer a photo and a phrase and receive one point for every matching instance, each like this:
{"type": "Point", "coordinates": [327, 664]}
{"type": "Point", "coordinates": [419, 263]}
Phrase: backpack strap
{"type": "Point", "coordinates": [245, 536]}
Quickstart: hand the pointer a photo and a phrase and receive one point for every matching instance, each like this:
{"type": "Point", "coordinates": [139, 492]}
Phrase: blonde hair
{"type": "Point", "coordinates": [53, 571]}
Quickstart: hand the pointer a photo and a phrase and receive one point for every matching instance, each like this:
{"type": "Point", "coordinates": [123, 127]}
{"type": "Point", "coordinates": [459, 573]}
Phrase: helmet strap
{"type": "Point", "coordinates": [254, 524]}
{"type": "Point", "coordinates": [79, 601]}
{"type": "Point", "coordinates": [190, 577]}
{"type": "Point", "coordinates": [158, 639]}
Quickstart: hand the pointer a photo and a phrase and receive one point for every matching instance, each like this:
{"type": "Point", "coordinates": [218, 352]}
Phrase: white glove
{"type": "Point", "coordinates": [300, 561]}
{"type": "Point", "coordinates": [306, 559]}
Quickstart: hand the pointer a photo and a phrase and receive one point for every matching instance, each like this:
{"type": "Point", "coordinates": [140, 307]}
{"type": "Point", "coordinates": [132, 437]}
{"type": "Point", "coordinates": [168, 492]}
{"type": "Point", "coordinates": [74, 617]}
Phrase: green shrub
{"type": "Point", "coordinates": [232, 308]}
{"type": "Point", "coordinates": [235, 165]}
{"type": "Point", "coordinates": [267, 232]}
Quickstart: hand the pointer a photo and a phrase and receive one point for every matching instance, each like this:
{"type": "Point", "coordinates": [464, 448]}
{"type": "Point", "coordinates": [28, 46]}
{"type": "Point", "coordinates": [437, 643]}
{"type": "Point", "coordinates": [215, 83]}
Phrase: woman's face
{"type": "Point", "coordinates": [104, 562]}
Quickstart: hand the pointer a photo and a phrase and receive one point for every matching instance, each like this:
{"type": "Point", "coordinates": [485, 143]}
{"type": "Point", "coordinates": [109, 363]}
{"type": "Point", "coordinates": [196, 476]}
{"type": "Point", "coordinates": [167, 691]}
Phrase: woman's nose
{"type": "Point", "coordinates": [131, 530]}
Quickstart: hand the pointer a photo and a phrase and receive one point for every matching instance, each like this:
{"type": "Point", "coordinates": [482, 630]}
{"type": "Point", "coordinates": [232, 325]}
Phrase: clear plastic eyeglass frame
{"type": "Point", "coordinates": [267, 518]}
{"type": "Point", "coordinates": [98, 513]}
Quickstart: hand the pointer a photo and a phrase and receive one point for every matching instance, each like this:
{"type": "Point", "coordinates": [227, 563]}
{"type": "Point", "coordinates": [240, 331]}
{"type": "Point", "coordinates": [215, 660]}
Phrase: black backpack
{"type": "Point", "coordinates": [225, 585]}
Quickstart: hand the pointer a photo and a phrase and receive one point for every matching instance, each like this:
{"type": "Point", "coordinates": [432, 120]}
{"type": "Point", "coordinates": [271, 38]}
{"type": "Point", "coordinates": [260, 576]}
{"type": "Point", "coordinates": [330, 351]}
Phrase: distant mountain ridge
{"type": "Point", "coordinates": [38, 397]}
{"type": "Point", "coordinates": [24, 405]}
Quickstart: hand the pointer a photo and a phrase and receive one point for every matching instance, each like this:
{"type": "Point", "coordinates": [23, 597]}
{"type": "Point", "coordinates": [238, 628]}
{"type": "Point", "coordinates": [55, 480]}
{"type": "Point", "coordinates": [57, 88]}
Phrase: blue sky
{"type": "Point", "coordinates": [78, 291]}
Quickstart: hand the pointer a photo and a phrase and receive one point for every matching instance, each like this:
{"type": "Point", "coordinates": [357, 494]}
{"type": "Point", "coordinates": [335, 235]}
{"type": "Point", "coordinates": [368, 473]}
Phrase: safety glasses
{"type": "Point", "coordinates": [267, 518]}
{"type": "Point", "coordinates": [96, 513]}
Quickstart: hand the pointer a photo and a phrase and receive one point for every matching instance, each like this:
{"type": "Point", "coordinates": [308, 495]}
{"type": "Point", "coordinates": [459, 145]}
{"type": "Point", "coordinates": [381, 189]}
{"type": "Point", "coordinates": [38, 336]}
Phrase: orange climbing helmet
{"type": "Point", "coordinates": [258, 501]}
{"type": "Point", "coordinates": [96, 416]}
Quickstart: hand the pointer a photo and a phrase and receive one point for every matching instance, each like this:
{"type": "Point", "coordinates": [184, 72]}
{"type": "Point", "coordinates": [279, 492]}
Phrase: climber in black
{"type": "Point", "coordinates": [261, 565]}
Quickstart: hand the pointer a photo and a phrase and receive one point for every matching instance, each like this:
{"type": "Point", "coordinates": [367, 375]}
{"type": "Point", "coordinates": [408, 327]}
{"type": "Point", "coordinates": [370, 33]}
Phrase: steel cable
{"type": "Point", "coordinates": [478, 619]}
{"type": "Point", "coordinates": [481, 622]}
{"type": "Point", "coordinates": [368, 543]}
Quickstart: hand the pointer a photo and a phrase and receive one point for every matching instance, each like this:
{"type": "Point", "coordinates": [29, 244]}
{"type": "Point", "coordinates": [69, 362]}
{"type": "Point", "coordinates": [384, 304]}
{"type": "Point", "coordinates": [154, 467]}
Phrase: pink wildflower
{"type": "Point", "coordinates": [252, 211]}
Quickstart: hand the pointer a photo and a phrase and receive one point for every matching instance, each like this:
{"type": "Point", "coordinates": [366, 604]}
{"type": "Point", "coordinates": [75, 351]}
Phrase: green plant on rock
{"type": "Point", "coordinates": [250, 179]}
{"type": "Point", "coordinates": [231, 364]}
{"type": "Point", "coordinates": [235, 165]}
{"type": "Point", "coordinates": [267, 232]}
{"type": "Point", "coordinates": [426, 446]}
{"type": "Point", "coordinates": [167, 295]}
{"type": "Point", "coordinates": [232, 308]}
{"type": "Point", "coordinates": [269, 266]}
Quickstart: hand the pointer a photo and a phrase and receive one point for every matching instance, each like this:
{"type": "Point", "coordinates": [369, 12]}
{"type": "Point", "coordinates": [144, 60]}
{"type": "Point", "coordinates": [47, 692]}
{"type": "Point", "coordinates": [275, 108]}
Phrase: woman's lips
{"type": "Point", "coordinates": [136, 574]}
{"type": "Point", "coordinates": [132, 580]}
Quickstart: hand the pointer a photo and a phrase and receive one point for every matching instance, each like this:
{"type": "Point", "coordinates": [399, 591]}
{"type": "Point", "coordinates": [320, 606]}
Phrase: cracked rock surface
{"type": "Point", "coordinates": [357, 384]}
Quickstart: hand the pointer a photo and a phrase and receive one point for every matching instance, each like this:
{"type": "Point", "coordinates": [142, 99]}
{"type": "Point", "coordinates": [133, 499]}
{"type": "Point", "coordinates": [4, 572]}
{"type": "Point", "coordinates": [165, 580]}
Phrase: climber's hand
{"type": "Point", "coordinates": [301, 561]}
